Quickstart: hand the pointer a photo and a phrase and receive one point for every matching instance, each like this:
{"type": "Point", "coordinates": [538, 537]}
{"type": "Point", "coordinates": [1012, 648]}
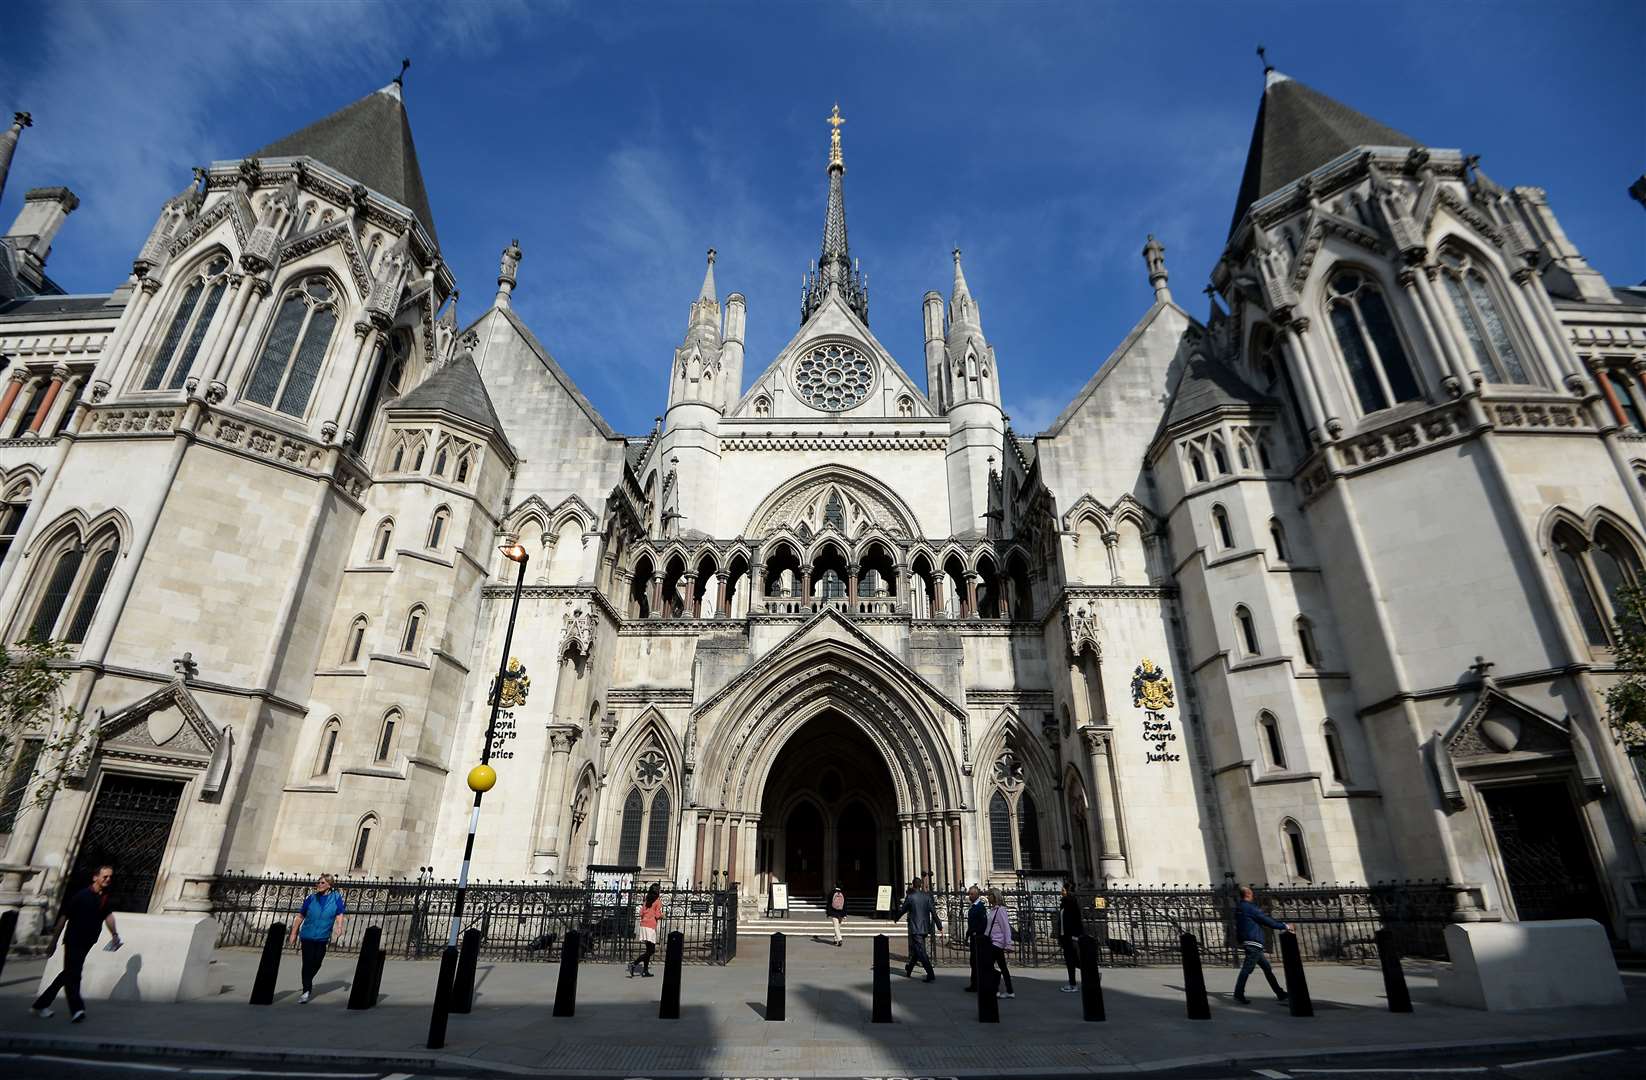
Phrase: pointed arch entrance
{"type": "Point", "coordinates": [829, 813]}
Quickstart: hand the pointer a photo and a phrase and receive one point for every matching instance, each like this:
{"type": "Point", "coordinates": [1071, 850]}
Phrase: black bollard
{"type": "Point", "coordinates": [1297, 983]}
{"type": "Point", "coordinates": [673, 952]}
{"type": "Point", "coordinates": [377, 975]}
{"type": "Point", "coordinates": [882, 981]}
{"type": "Point", "coordinates": [8, 930]}
{"type": "Point", "coordinates": [1394, 978]}
{"type": "Point", "coordinates": [988, 984]}
{"type": "Point", "coordinates": [442, 998]}
{"type": "Point", "coordinates": [1091, 982]}
{"type": "Point", "coordinates": [468, 957]}
{"type": "Point", "coordinates": [565, 994]}
{"type": "Point", "coordinates": [363, 994]}
{"type": "Point", "coordinates": [268, 968]}
{"type": "Point", "coordinates": [774, 979]}
{"type": "Point", "coordinates": [1194, 980]}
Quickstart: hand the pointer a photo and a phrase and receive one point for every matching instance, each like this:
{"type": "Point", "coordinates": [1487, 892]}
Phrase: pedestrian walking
{"type": "Point", "coordinates": [1069, 929]}
{"type": "Point", "coordinates": [320, 916]}
{"type": "Point", "coordinates": [1249, 921]}
{"type": "Point", "coordinates": [651, 912]}
{"type": "Point", "coordinates": [837, 911]}
{"type": "Point", "coordinates": [1000, 939]}
{"type": "Point", "coordinates": [922, 912]}
{"type": "Point", "coordinates": [977, 932]}
{"type": "Point", "coordinates": [82, 921]}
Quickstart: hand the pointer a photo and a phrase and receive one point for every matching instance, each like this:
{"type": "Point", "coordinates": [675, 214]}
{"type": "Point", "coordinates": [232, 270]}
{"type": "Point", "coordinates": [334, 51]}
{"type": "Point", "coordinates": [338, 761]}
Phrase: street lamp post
{"type": "Point", "coordinates": [481, 779]}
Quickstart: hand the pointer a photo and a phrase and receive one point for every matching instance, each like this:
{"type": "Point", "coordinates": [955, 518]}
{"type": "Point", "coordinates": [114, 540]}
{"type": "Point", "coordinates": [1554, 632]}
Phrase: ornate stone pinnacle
{"type": "Point", "coordinates": [834, 121]}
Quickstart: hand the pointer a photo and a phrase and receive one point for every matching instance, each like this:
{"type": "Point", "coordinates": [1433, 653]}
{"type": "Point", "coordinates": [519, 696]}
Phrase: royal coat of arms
{"type": "Point", "coordinates": [1152, 688]}
{"type": "Point", "coordinates": [516, 685]}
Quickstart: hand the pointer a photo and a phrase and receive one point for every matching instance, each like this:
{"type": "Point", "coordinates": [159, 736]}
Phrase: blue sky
{"type": "Point", "coordinates": [619, 141]}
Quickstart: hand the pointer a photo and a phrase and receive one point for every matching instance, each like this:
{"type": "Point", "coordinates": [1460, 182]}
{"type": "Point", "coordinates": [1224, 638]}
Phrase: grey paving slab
{"type": "Point", "coordinates": [828, 1031]}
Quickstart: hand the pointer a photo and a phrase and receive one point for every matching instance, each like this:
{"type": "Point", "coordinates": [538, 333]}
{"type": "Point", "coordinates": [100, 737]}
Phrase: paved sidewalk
{"type": "Point", "coordinates": [616, 1031]}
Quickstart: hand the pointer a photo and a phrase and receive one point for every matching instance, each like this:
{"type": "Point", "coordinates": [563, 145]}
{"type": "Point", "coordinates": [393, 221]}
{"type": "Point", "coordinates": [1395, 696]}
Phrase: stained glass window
{"type": "Point", "coordinates": [1371, 347]}
{"type": "Point", "coordinates": [296, 347]}
{"type": "Point", "coordinates": [833, 377]}
{"type": "Point", "coordinates": [628, 844]}
{"type": "Point", "coordinates": [657, 831]}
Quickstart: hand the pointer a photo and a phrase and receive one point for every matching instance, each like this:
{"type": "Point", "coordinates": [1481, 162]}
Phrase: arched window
{"type": "Point", "coordinates": [1197, 465]}
{"type": "Point", "coordinates": [628, 844]}
{"type": "Point", "coordinates": [11, 517]}
{"type": "Point", "coordinates": [1335, 758]}
{"type": "Point", "coordinates": [398, 458]}
{"type": "Point", "coordinates": [189, 324]}
{"type": "Point", "coordinates": [290, 363]}
{"type": "Point", "coordinates": [362, 842]}
{"type": "Point", "coordinates": [440, 456]}
{"type": "Point", "coordinates": [1366, 335]}
{"type": "Point", "coordinates": [1220, 526]}
{"type": "Point", "coordinates": [327, 757]}
{"type": "Point", "coordinates": [1617, 567]}
{"type": "Point", "coordinates": [417, 458]}
{"type": "Point", "coordinates": [1482, 319]}
{"type": "Point", "coordinates": [1269, 728]}
{"type": "Point", "coordinates": [1263, 453]}
{"type": "Point", "coordinates": [1000, 832]}
{"type": "Point", "coordinates": [834, 513]}
{"type": "Point", "coordinates": [1297, 855]}
{"type": "Point", "coordinates": [762, 407]}
{"type": "Point", "coordinates": [68, 601]}
{"type": "Point", "coordinates": [356, 642]}
{"type": "Point", "coordinates": [1248, 631]}
{"type": "Point", "coordinates": [437, 527]}
{"type": "Point", "coordinates": [657, 832]}
{"type": "Point", "coordinates": [1220, 460]}
{"type": "Point", "coordinates": [1306, 642]}
{"type": "Point", "coordinates": [1569, 548]}
{"type": "Point", "coordinates": [385, 736]}
{"type": "Point", "coordinates": [380, 544]}
{"type": "Point", "coordinates": [385, 383]}
{"type": "Point", "coordinates": [832, 586]}
{"type": "Point", "coordinates": [905, 406]}
{"type": "Point", "coordinates": [414, 629]}
{"type": "Point", "coordinates": [1028, 833]}
{"type": "Point", "coordinates": [464, 464]}
{"type": "Point", "coordinates": [1277, 534]}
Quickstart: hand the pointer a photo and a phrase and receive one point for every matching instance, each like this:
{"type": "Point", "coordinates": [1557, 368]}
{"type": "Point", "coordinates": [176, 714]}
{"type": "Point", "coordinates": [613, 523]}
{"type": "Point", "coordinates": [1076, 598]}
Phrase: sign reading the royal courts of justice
{"type": "Point", "coordinates": [516, 685]}
{"type": "Point", "coordinates": [1152, 692]}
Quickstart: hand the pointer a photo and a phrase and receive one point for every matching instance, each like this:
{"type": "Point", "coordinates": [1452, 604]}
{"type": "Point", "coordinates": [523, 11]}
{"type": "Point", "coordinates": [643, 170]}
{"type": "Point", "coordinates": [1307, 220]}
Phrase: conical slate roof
{"type": "Point", "coordinates": [1208, 385]}
{"type": "Point", "coordinates": [369, 141]}
{"type": "Point", "coordinates": [1297, 131]}
{"type": "Point", "coordinates": [457, 389]}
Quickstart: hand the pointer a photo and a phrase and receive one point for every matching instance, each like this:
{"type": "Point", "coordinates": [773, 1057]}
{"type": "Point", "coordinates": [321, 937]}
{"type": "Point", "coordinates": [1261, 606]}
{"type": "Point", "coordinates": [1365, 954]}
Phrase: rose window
{"type": "Point", "coordinates": [649, 769]}
{"type": "Point", "coordinates": [833, 377]}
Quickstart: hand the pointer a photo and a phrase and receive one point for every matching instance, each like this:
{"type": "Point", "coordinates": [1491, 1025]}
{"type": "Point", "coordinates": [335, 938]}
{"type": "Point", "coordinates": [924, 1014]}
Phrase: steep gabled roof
{"type": "Point", "coordinates": [1298, 130]}
{"type": "Point", "coordinates": [369, 141]}
{"type": "Point", "coordinates": [1208, 385]}
{"type": "Point", "coordinates": [456, 389]}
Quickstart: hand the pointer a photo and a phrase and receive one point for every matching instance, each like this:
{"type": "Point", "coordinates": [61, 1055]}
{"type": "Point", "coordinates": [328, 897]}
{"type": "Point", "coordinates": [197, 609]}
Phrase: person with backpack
{"type": "Point", "coordinates": [1000, 939]}
{"type": "Point", "coordinates": [84, 916]}
{"type": "Point", "coordinates": [320, 916]}
{"type": "Point", "coordinates": [837, 911]}
{"type": "Point", "coordinates": [1069, 929]}
{"type": "Point", "coordinates": [651, 913]}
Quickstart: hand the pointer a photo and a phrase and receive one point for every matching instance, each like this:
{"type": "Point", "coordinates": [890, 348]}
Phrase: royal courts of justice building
{"type": "Point", "coordinates": [1318, 585]}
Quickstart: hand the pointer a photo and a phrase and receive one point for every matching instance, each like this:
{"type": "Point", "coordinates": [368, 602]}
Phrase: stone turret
{"type": "Point", "coordinates": [971, 398]}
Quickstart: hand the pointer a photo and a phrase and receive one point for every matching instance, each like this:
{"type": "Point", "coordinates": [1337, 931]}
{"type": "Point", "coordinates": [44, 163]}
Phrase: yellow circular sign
{"type": "Point", "coordinates": [482, 778]}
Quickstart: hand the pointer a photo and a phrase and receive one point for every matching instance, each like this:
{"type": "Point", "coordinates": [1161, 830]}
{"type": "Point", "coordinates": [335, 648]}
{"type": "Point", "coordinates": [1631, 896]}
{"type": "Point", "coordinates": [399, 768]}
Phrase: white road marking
{"type": "Point", "coordinates": [106, 1064]}
{"type": "Point", "coordinates": [1568, 1057]}
{"type": "Point", "coordinates": [1273, 1074]}
{"type": "Point", "coordinates": [271, 1072]}
{"type": "Point", "coordinates": [1466, 1069]}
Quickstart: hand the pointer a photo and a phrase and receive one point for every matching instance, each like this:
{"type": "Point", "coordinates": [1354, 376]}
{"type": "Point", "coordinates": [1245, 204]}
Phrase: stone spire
{"type": "Point", "coordinates": [705, 314]}
{"type": "Point", "coordinates": [707, 291]}
{"type": "Point", "coordinates": [1154, 257]}
{"type": "Point", "coordinates": [835, 272]}
{"type": "Point", "coordinates": [963, 311]}
{"type": "Point", "coordinates": [506, 272]}
{"type": "Point", "coordinates": [8, 144]}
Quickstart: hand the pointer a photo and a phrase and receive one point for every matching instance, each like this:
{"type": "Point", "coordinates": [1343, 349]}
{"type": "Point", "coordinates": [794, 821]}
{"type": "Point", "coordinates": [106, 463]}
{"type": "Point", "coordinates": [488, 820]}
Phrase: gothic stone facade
{"type": "Point", "coordinates": [1340, 609]}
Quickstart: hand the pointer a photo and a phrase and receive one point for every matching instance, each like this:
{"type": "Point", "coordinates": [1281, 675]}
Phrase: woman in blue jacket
{"type": "Point", "coordinates": [1249, 922]}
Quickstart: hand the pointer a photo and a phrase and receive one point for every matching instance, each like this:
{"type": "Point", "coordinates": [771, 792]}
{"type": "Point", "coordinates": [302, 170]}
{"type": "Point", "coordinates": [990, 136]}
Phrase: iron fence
{"type": "Point", "coordinates": [1137, 926]}
{"type": "Point", "coordinates": [517, 920]}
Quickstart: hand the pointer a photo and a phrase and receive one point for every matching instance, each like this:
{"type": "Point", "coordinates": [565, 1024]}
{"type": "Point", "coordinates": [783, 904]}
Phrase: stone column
{"type": "Point", "coordinates": [702, 848]}
{"type": "Point", "coordinates": [904, 601]}
{"type": "Point", "coordinates": [238, 360]}
{"type": "Point", "coordinates": [937, 594]}
{"type": "Point", "coordinates": [688, 587]}
{"type": "Point", "coordinates": [1297, 358]}
{"type": "Point", "coordinates": [58, 374]}
{"type": "Point", "coordinates": [955, 842]}
{"type": "Point", "coordinates": [657, 594]}
{"type": "Point", "coordinates": [723, 599]}
{"type": "Point", "coordinates": [215, 348]}
{"type": "Point", "coordinates": [58, 416]}
{"type": "Point", "coordinates": [1111, 857]}
{"type": "Point", "coordinates": [1597, 368]}
{"type": "Point", "coordinates": [19, 375]}
{"type": "Point", "coordinates": [551, 795]}
{"type": "Point", "coordinates": [969, 606]}
{"type": "Point", "coordinates": [731, 855]}
{"type": "Point", "coordinates": [1003, 601]}
{"type": "Point", "coordinates": [806, 584]}
{"type": "Point", "coordinates": [851, 585]}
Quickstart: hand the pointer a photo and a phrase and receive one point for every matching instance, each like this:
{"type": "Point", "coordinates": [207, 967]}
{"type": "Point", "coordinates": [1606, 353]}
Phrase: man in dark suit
{"type": "Point", "coordinates": [922, 912]}
{"type": "Point", "coordinates": [977, 931]}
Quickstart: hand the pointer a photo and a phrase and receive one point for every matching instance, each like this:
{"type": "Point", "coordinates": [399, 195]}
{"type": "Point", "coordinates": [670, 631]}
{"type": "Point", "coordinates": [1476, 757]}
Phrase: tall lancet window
{"type": "Point", "coordinates": [189, 323]}
{"type": "Point", "coordinates": [1365, 330]}
{"type": "Point", "coordinates": [290, 363]}
{"type": "Point", "coordinates": [834, 513]}
{"type": "Point", "coordinates": [1482, 320]}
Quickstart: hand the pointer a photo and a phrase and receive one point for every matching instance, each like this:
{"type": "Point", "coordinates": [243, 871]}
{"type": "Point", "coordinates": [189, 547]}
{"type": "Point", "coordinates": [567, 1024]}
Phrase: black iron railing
{"type": "Point", "coordinates": [1135, 926]}
{"type": "Point", "coordinates": [518, 921]}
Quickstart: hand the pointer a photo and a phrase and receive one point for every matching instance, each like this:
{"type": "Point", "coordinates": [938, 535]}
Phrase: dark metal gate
{"type": "Point", "coordinates": [130, 824]}
{"type": "Point", "coordinates": [1545, 855]}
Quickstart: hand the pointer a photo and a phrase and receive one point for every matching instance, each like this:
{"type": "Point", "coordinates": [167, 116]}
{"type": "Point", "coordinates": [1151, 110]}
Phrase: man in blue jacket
{"type": "Point", "coordinates": [1249, 922]}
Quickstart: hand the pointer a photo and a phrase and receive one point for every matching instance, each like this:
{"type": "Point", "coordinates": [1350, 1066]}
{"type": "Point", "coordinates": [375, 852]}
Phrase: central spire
{"type": "Point", "coordinates": [835, 271]}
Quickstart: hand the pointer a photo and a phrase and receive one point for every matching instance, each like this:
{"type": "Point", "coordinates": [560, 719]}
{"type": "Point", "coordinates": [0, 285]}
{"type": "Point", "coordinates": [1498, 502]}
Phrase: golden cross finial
{"type": "Point", "coordinates": [834, 121]}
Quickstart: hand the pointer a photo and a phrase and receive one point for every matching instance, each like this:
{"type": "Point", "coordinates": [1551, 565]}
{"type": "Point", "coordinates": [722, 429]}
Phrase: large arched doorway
{"type": "Point", "coordinates": [829, 813]}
